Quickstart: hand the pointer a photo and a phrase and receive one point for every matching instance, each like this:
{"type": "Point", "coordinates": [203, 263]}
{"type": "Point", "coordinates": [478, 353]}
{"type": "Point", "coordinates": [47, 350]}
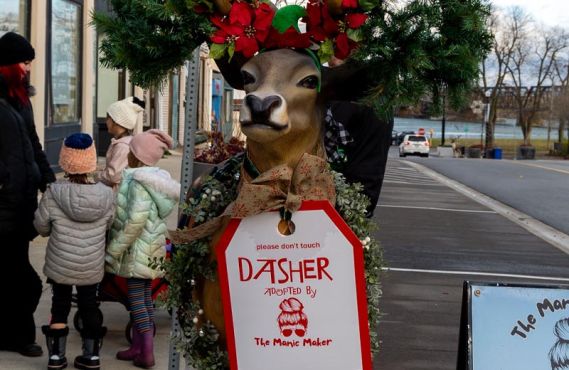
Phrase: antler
{"type": "Point", "coordinates": [335, 7]}
{"type": "Point", "coordinates": [223, 6]}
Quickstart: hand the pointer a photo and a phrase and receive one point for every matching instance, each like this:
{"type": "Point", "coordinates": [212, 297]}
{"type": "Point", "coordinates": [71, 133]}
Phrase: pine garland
{"type": "Point", "coordinates": [150, 38]}
{"type": "Point", "coordinates": [190, 262]}
{"type": "Point", "coordinates": [426, 47]}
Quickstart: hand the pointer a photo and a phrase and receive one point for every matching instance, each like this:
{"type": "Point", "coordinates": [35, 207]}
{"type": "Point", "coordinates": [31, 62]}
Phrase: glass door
{"type": "Point", "coordinates": [64, 74]}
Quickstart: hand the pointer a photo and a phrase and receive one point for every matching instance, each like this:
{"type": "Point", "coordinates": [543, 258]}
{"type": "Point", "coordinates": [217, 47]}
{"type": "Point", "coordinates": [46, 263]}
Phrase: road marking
{"type": "Point", "coordinates": [551, 235]}
{"type": "Point", "coordinates": [437, 209]}
{"type": "Point", "coordinates": [411, 183]}
{"type": "Point", "coordinates": [474, 273]}
{"type": "Point", "coordinates": [544, 167]}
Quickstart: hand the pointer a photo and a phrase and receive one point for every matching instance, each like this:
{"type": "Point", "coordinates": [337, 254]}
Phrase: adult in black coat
{"type": "Point", "coordinates": [24, 170]}
{"type": "Point", "coordinates": [362, 155]}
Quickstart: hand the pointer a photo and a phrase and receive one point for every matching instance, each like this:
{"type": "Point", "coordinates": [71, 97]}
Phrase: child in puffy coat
{"type": "Point", "coordinates": [146, 196]}
{"type": "Point", "coordinates": [122, 117]}
{"type": "Point", "coordinates": [76, 214]}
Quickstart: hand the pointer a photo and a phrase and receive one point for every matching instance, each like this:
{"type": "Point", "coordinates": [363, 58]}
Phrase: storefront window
{"type": "Point", "coordinates": [108, 86]}
{"type": "Point", "coordinates": [14, 16]}
{"type": "Point", "coordinates": [65, 61]}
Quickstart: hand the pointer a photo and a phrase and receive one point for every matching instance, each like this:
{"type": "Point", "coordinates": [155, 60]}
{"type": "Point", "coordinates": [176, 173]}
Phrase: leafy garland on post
{"type": "Point", "coordinates": [199, 341]}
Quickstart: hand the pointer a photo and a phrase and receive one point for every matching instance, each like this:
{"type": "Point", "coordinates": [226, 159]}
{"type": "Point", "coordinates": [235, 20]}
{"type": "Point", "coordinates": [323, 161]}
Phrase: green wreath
{"type": "Point", "coordinates": [189, 262]}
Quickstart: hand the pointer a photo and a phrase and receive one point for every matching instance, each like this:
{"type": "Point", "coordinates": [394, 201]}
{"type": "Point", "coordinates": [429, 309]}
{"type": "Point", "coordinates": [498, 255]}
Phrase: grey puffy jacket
{"type": "Point", "coordinates": [76, 217]}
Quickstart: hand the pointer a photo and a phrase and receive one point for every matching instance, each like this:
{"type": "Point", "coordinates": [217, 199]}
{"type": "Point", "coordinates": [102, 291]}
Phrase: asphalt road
{"type": "Point", "coordinates": [434, 239]}
{"type": "Point", "coordinates": [537, 188]}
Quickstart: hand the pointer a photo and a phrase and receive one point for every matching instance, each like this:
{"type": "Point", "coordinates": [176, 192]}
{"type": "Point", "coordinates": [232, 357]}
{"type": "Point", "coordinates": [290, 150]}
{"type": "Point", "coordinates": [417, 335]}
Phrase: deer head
{"type": "Point", "coordinates": [282, 111]}
{"type": "Point", "coordinates": [279, 114]}
{"type": "Point", "coordinates": [286, 91]}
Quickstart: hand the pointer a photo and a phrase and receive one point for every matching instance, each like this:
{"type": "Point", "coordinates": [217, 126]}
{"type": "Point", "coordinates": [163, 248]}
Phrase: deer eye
{"type": "Point", "coordinates": [247, 78]}
{"type": "Point", "coordinates": [310, 82]}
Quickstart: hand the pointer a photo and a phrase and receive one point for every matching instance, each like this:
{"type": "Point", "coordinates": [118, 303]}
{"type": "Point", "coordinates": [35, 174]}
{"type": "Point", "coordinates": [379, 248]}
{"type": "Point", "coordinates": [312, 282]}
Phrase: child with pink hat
{"type": "Point", "coordinates": [146, 196]}
{"type": "Point", "coordinates": [75, 212]}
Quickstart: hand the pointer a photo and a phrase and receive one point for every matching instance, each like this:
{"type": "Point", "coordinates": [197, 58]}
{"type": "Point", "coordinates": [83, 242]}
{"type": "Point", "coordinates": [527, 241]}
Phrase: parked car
{"type": "Point", "coordinates": [400, 136]}
{"type": "Point", "coordinates": [414, 144]}
{"type": "Point", "coordinates": [394, 136]}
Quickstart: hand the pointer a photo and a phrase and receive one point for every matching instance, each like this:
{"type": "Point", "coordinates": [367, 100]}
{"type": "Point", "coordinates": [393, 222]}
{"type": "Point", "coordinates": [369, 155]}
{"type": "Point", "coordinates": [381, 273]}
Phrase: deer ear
{"type": "Point", "coordinates": [231, 70]}
{"type": "Point", "coordinates": [347, 82]}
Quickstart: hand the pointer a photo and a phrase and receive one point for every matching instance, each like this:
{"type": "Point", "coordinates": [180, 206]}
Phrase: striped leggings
{"type": "Point", "coordinates": [140, 302]}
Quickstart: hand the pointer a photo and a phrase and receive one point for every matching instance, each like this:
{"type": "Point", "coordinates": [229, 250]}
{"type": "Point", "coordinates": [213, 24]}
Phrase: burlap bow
{"type": "Point", "coordinates": [279, 187]}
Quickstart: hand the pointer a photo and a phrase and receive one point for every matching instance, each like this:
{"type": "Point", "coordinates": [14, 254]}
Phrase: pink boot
{"type": "Point", "coordinates": [145, 359]}
{"type": "Point", "coordinates": [134, 350]}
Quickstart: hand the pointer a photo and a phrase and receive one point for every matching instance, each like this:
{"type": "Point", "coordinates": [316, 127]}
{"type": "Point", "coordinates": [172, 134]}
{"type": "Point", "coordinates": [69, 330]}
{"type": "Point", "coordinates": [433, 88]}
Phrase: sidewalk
{"type": "Point", "coordinates": [116, 316]}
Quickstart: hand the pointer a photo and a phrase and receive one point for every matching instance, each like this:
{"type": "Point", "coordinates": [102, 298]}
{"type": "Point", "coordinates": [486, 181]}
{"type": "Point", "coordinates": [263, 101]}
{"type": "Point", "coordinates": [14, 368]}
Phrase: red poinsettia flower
{"type": "Point", "coordinates": [247, 26]}
{"type": "Point", "coordinates": [355, 20]}
{"type": "Point", "coordinates": [345, 45]}
{"type": "Point", "coordinates": [226, 33]}
{"type": "Point", "coordinates": [291, 38]}
{"type": "Point", "coordinates": [319, 23]}
{"type": "Point", "coordinates": [346, 4]}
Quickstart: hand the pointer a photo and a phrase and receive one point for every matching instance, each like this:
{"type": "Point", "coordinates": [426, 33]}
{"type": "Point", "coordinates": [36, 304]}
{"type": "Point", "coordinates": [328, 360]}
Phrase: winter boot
{"type": "Point", "coordinates": [145, 359]}
{"type": "Point", "coordinates": [56, 340]}
{"type": "Point", "coordinates": [134, 350]}
{"type": "Point", "coordinates": [92, 342]}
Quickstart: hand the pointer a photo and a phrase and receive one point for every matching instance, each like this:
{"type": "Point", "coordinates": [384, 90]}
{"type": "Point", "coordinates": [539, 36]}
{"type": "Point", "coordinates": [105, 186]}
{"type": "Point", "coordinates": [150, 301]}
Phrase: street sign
{"type": "Point", "coordinates": [296, 301]}
{"type": "Point", "coordinates": [522, 327]}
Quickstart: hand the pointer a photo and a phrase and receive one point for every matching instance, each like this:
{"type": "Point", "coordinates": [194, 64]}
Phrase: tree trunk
{"type": "Point", "coordinates": [489, 141]}
{"type": "Point", "coordinates": [560, 132]}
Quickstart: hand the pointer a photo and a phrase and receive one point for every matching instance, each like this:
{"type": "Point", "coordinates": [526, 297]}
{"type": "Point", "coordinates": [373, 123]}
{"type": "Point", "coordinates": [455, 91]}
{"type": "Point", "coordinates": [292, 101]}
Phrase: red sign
{"type": "Point", "coordinates": [421, 131]}
{"type": "Point", "coordinates": [296, 301]}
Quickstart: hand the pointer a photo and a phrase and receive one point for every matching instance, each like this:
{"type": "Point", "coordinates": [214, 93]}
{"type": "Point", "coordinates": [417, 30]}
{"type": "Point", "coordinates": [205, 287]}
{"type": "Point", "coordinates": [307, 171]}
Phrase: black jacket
{"type": "Point", "coordinates": [24, 168]}
{"type": "Point", "coordinates": [366, 155]}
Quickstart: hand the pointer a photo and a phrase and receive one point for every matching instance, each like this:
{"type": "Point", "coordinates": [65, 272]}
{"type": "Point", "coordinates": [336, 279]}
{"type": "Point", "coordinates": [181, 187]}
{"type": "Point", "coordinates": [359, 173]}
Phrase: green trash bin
{"type": "Point", "coordinates": [497, 153]}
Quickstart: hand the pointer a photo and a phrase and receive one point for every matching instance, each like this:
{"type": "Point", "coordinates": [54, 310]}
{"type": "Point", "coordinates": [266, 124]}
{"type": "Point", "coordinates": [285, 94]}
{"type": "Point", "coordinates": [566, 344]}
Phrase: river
{"type": "Point", "coordinates": [469, 129]}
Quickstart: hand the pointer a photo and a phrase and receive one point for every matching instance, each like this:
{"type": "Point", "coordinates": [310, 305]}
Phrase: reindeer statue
{"type": "Point", "coordinates": [403, 53]}
{"type": "Point", "coordinates": [285, 162]}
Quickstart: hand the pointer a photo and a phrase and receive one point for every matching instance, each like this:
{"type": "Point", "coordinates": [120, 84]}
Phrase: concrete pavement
{"type": "Point", "coordinates": [538, 188]}
{"type": "Point", "coordinates": [434, 238]}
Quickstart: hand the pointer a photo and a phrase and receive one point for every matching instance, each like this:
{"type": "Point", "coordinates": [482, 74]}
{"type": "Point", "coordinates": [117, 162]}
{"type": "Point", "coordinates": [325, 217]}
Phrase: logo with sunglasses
{"type": "Point", "coordinates": [292, 318]}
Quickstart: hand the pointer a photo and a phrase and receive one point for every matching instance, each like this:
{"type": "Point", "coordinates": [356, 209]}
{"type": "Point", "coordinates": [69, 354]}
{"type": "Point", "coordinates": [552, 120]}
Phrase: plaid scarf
{"type": "Point", "coordinates": [336, 135]}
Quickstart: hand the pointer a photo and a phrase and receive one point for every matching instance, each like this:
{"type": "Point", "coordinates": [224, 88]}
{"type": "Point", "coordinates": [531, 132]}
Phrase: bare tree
{"type": "Point", "coordinates": [509, 30]}
{"type": "Point", "coordinates": [532, 64]}
{"type": "Point", "coordinates": [560, 105]}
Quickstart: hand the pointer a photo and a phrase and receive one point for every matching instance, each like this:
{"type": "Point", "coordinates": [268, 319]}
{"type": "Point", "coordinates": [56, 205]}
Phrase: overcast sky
{"type": "Point", "coordinates": [550, 12]}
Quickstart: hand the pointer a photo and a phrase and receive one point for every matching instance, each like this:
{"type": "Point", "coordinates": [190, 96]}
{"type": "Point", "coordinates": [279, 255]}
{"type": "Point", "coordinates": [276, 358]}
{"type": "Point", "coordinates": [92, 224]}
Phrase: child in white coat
{"type": "Point", "coordinates": [122, 117]}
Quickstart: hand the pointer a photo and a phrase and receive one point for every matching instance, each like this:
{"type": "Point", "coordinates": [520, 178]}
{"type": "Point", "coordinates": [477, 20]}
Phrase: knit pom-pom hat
{"type": "Point", "coordinates": [78, 154]}
{"type": "Point", "coordinates": [125, 112]}
{"type": "Point", "coordinates": [15, 49]}
{"type": "Point", "coordinates": [149, 146]}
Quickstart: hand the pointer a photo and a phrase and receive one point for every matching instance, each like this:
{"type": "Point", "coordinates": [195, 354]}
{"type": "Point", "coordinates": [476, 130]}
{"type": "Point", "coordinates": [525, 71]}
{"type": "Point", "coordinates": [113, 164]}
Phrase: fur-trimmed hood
{"type": "Point", "coordinates": [164, 190]}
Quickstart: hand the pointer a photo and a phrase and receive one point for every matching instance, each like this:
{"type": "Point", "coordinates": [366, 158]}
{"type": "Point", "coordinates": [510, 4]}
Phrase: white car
{"type": "Point", "coordinates": [414, 144]}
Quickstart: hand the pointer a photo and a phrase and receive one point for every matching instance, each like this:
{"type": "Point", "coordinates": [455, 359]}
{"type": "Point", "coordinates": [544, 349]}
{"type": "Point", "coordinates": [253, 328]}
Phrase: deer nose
{"type": "Point", "coordinates": [261, 108]}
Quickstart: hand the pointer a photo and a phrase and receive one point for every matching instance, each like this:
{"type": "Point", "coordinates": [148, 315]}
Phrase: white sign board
{"type": "Point", "coordinates": [297, 301]}
{"type": "Point", "coordinates": [518, 327]}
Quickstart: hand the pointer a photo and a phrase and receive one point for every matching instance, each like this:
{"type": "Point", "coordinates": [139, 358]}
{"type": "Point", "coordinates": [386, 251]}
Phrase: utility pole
{"type": "Point", "coordinates": [443, 123]}
{"type": "Point", "coordinates": [190, 119]}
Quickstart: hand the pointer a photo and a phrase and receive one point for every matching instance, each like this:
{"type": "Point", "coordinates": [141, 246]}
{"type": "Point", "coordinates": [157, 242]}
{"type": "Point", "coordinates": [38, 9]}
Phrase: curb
{"type": "Point", "coordinates": [549, 234]}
